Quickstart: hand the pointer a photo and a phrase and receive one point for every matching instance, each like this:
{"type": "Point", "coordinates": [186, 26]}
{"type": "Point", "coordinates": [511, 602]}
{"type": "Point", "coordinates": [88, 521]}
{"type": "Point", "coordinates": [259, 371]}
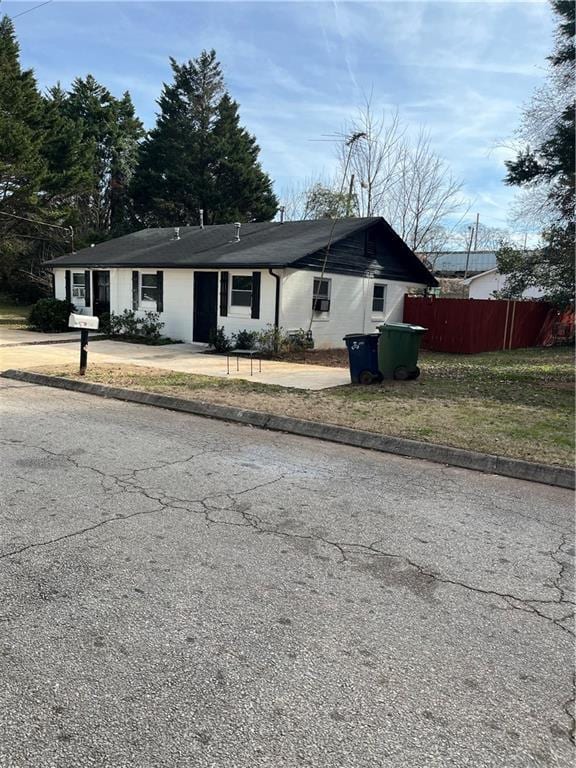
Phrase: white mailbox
{"type": "Point", "coordinates": [83, 322]}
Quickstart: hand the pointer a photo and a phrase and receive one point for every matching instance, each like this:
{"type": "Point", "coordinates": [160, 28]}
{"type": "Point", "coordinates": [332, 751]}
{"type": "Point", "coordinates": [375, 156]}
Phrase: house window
{"type": "Point", "coordinates": [149, 288]}
{"type": "Point", "coordinates": [379, 298]}
{"type": "Point", "coordinates": [321, 295]}
{"type": "Point", "coordinates": [241, 294]}
{"type": "Point", "coordinates": [78, 285]}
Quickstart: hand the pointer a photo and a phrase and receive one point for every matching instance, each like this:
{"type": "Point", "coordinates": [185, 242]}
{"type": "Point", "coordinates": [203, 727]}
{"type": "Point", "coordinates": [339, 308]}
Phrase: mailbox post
{"type": "Point", "coordinates": [85, 323]}
{"type": "Point", "coordinates": [83, 351]}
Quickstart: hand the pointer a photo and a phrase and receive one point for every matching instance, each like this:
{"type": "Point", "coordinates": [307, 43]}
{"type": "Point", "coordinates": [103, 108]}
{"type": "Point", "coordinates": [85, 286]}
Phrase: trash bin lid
{"type": "Point", "coordinates": [360, 335]}
{"type": "Point", "coordinates": [402, 327]}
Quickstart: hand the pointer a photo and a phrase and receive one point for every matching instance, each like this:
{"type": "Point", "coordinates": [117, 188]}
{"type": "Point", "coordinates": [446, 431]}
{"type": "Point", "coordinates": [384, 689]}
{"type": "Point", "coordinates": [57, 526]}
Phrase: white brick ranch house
{"type": "Point", "coordinates": [248, 277]}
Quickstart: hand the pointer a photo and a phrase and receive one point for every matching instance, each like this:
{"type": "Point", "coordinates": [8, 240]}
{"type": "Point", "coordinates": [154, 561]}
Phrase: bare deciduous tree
{"type": "Point", "coordinates": [487, 239]}
{"type": "Point", "coordinates": [372, 161]}
{"type": "Point", "coordinates": [406, 182]}
{"type": "Point", "coordinates": [425, 196]}
{"type": "Point", "coordinates": [383, 173]}
{"type": "Point", "coordinates": [294, 198]}
{"type": "Point", "coordinates": [533, 209]}
{"type": "Point", "coordinates": [439, 241]}
{"type": "Point", "coordinates": [317, 199]}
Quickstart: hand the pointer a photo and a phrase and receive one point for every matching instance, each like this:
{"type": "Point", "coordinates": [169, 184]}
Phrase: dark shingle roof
{"type": "Point", "coordinates": [266, 244]}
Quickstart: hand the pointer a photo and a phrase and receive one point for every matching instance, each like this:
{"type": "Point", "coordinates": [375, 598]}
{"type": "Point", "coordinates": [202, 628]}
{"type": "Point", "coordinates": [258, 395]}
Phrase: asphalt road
{"type": "Point", "coordinates": [187, 593]}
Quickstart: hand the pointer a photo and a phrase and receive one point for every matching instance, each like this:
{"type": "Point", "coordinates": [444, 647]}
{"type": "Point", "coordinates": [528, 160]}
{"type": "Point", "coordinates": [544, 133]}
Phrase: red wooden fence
{"type": "Point", "coordinates": [476, 325]}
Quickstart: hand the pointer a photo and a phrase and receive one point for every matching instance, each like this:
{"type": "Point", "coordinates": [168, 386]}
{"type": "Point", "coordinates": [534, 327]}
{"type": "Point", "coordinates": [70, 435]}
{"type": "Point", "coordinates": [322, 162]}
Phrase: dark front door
{"type": "Point", "coordinates": [101, 292]}
{"type": "Point", "coordinates": [205, 305]}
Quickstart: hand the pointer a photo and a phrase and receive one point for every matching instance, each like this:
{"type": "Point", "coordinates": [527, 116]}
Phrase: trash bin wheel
{"type": "Point", "coordinates": [401, 373]}
{"type": "Point", "coordinates": [366, 377]}
{"type": "Point", "coordinates": [415, 373]}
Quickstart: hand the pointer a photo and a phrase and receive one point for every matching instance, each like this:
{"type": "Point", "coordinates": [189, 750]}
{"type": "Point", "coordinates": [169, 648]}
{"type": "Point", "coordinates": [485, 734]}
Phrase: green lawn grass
{"type": "Point", "coordinates": [13, 315]}
{"type": "Point", "coordinates": [518, 403]}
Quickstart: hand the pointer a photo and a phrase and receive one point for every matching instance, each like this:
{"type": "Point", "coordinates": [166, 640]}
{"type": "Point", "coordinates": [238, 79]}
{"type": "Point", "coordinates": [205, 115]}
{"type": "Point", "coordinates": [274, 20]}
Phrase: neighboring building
{"type": "Point", "coordinates": [453, 263]}
{"type": "Point", "coordinates": [248, 277]}
{"type": "Point", "coordinates": [482, 286]}
{"type": "Point", "coordinates": [451, 288]}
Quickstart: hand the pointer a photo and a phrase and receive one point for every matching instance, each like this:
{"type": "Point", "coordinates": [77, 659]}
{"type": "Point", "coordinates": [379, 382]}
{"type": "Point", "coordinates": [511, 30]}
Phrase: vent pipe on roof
{"type": "Point", "coordinates": [176, 233]}
{"type": "Point", "coordinates": [282, 211]}
{"type": "Point", "coordinates": [237, 225]}
{"type": "Point", "coordinates": [201, 218]}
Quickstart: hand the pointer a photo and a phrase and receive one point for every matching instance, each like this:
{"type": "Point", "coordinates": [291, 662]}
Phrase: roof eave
{"type": "Point", "coordinates": [480, 274]}
{"type": "Point", "coordinates": [167, 265]}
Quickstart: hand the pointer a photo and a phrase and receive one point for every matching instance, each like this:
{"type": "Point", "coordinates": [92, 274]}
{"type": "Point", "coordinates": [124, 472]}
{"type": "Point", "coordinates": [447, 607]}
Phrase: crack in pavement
{"type": "Point", "coordinates": [78, 532]}
{"type": "Point", "coordinates": [126, 482]}
{"type": "Point", "coordinates": [557, 583]}
{"type": "Point", "coordinates": [133, 472]}
{"type": "Point", "coordinates": [569, 708]}
{"type": "Point", "coordinates": [518, 603]}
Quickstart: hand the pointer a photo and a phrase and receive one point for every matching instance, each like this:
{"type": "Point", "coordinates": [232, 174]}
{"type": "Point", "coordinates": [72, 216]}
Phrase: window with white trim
{"type": "Point", "coordinates": [149, 288]}
{"type": "Point", "coordinates": [321, 294]}
{"type": "Point", "coordinates": [78, 285]}
{"type": "Point", "coordinates": [241, 291]}
{"type": "Point", "coordinates": [379, 298]}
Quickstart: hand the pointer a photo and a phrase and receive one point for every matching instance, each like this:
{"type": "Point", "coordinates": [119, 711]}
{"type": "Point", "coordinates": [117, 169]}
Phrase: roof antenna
{"type": "Point", "coordinates": [350, 143]}
{"type": "Point", "coordinates": [176, 233]}
{"type": "Point", "coordinates": [237, 225]}
{"type": "Point", "coordinates": [282, 211]}
{"type": "Point", "coordinates": [201, 218]}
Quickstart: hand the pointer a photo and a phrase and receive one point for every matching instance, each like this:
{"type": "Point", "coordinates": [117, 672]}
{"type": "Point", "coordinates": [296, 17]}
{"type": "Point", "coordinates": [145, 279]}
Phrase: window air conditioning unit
{"type": "Point", "coordinates": [322, 305]}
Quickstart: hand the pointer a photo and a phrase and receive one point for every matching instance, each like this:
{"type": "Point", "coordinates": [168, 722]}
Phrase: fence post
{"type": "Point", "coordinates": [511, 325]}
{"type": "Point", "coordinates": [506, 324]}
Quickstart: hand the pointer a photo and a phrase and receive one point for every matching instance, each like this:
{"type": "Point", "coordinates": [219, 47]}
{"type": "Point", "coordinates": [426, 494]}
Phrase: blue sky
{"type": "Point", "coordinates": [300, 69]}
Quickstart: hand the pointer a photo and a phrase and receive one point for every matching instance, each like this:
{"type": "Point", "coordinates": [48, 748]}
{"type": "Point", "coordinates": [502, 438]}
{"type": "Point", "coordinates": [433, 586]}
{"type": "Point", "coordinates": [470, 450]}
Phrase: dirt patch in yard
{"type": "Point", "coordinates": [518, 404]}
{"type": "Point", "coordinates": [564, 385]}
{"type": "Point", "coordinates": [332, 358]}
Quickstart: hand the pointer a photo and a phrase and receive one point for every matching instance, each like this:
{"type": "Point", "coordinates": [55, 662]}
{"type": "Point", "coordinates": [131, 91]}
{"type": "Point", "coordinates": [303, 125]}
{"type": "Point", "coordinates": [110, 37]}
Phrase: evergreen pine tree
{"type": "Point", "coordinates": [243, 190]}
{"type": "Point", "coordinates": [22, 167]}
{"type": "Point", "coordinates": [110, 134]}
{"type": "Point", "coordinates": [65, 154]}
{"type": "Point", "coordinates": [125, 150]}
{"type": "Point", "coordinates": [199, 157]}
{"type": "Point", "coordinates": [65, 159]}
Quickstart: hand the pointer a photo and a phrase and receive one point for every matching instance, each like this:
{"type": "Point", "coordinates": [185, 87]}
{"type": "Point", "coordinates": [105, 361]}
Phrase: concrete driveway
{"type": "Point", "coordinates": [182, 592]}
{"type": "Point", "coordinates": [187, 358]}
{"type": "Point", "coordinates": [10, 337]}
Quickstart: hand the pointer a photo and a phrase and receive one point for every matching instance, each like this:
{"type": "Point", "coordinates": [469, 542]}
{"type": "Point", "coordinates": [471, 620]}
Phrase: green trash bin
{"type": "Point", "coordinates": [398, 348]}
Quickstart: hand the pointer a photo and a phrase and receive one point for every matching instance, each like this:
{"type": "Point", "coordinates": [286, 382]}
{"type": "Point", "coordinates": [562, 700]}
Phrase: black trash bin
{"type": "Point", "coordinates": [363, 357]}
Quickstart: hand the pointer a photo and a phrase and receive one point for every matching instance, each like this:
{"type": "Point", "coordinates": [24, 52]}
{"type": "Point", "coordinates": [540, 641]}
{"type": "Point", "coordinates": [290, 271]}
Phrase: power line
{"type": "Point", "coordinates": [22, 13]}
{"type": "Point", "coordinates": [69, 230]}
{"type": "Point", "coordinates": [34, 221]}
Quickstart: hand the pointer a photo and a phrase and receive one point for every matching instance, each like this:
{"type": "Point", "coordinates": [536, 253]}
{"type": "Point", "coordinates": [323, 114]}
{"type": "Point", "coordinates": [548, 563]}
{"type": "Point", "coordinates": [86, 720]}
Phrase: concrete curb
{"type": "Point", "coordinates": [442, 454]}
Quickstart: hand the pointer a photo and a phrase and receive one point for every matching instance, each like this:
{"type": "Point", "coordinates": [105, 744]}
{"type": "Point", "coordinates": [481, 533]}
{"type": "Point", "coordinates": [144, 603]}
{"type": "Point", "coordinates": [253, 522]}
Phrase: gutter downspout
{"type": "Point", "coordinates": [277, 304]}
{"type": "Point", "coordinates": [365, 295]}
